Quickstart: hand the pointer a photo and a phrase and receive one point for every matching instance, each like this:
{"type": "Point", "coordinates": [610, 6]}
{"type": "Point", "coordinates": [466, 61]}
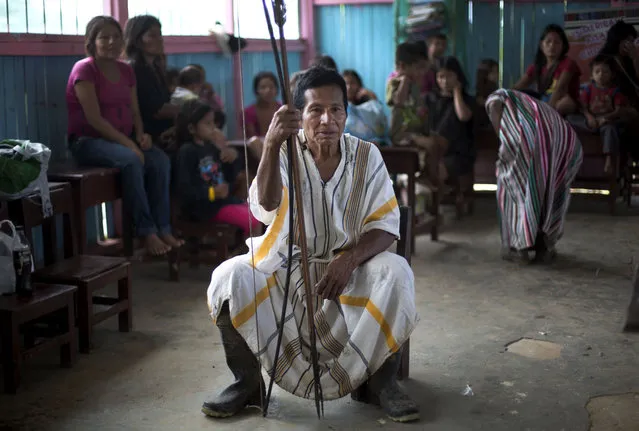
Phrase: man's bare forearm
{"type": "Point", "coordinates": [370, 245]}
{"type": "Point", "coordinates": [269, 180]}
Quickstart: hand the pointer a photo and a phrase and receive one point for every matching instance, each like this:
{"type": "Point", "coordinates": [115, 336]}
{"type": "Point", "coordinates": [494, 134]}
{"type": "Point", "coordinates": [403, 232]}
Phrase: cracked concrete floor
{"type": "Point", "coordinates": [472, 305]}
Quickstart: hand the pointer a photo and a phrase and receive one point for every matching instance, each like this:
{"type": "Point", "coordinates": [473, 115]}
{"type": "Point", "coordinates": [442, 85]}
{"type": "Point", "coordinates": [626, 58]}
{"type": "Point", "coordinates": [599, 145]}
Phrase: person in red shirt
{"type": "Point", "coordinates": [555, 75]}
{"type": "Point", "coordinates": [601, 103]}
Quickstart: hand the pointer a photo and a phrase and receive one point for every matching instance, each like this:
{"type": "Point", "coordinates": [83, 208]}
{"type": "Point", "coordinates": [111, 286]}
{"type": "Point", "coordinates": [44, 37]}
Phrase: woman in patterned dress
{"type": "Point", "coordinates": [539, 157]}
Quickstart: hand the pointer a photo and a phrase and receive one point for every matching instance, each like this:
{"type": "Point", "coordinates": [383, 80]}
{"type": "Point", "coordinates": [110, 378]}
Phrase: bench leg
{"type": "Point", "coordinates": [11, 358]}
{"type": "Point", "coordinates": [68, 351]}
{"type": "Point", "coordinates": [125, 318]}
{"type": "Point", "coordinates": [174, 264]}
{"type": "Point", "coordinates": [85, 314]}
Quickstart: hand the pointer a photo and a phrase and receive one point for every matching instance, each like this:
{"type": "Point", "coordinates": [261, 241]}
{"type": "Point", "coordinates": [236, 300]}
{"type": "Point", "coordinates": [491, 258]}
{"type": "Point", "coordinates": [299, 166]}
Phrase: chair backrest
{"type": "Point", "coordinates": [405, 237]}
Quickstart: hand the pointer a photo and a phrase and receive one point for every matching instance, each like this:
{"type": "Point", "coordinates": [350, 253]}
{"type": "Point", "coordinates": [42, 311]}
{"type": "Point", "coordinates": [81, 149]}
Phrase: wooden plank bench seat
{"type": "Point", "coordinates": [591, 174]}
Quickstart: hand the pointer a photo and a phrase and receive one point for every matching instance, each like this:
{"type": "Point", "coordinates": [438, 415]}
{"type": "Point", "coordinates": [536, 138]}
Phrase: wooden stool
{"type": "Point", "coordinates": [87, 273]}
{"type": "Point", "coordinates": [91, 187]}
{"type": "Point", "coordinates": [223, 234]}
{"type": "Point", "coordinates": [15, 312]}
{"type": "Point", "coordinates": [404, 250]}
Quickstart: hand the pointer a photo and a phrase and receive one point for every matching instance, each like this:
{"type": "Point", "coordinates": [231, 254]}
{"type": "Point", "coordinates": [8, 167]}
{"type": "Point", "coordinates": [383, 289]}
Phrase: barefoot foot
{"type": "Point", "coordinates": [172, 241]}
{"type": "Point", "coordinates": [155, 246]}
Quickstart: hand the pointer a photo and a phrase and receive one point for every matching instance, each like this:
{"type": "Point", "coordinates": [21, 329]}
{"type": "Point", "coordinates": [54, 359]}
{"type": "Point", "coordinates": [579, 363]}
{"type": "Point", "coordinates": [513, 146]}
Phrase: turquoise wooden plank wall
{"type": "Point", "coordinates": [359, 37]}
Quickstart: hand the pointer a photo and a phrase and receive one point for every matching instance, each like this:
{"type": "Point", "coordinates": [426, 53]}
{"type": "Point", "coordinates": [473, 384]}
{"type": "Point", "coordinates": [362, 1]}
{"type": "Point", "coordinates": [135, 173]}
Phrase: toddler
{"type": "Point", "coordinates": [600, 103]}
{"type": "Point", "coordinates": [205, 174]}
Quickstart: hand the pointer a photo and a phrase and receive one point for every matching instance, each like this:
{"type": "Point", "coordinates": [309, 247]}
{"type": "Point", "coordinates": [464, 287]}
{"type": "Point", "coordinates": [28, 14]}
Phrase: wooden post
{"type": "Point", "coordinates": [632, 319]}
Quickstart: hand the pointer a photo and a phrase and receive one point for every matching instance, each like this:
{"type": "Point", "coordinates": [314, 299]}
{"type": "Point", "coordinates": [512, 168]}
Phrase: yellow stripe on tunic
{"type": "Point", "coordinates": [248, 311]}
{"type": "Point", "coordinates": [358, 301]}
{"type": "Point", "coordinates": [380, 212]}
{"type": "Point", "coordinates": [274, 230]}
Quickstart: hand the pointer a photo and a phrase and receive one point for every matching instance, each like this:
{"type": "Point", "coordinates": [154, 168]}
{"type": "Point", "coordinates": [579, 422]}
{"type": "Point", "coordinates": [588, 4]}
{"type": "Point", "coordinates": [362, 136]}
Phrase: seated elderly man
{"type": "Point", "coordinates": [367, 306]}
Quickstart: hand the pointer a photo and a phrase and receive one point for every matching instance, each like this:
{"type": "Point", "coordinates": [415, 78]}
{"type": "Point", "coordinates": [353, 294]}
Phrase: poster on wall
{"type": "Point", "coordinates": [586, 31]}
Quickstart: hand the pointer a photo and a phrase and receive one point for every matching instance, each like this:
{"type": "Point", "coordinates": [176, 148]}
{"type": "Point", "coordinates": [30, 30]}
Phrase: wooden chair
{"type": "Point", "coordinates": [403, 249]}
{"type": "Point", "coordinates": [403, 160]}
{"type": "Point", "coordinates": [87, 273]}
{"type": "Point", "coordinates": [16, 313]}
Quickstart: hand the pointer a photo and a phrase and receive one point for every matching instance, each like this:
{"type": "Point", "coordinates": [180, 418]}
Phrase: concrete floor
{"type": "Point", "coordinates": [471, 303]}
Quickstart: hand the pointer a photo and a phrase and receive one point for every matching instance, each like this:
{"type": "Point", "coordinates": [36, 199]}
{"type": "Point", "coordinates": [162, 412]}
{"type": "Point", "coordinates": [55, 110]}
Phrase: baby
{"type": "Point", "coordinates": [190, 81]}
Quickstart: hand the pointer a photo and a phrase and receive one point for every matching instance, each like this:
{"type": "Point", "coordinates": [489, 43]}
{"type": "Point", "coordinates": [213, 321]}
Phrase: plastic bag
{"type": "Point", "coordinates": [7, 271]}
{"type": "Point", "coordinates": [19, 177]}
{"type": "Point", "coordinates": [368, 122]}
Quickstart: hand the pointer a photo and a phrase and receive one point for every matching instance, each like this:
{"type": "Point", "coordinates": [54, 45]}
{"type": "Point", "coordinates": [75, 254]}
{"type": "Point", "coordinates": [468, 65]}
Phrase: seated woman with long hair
{"type": "Point", "coordinates": [258, 116]}
{"type": "Point", "coordinates": [620, 46]}
{"type": "Point", "coordinates": [555, 75]}
{"type": "Point", "coordinates": [105, 129]}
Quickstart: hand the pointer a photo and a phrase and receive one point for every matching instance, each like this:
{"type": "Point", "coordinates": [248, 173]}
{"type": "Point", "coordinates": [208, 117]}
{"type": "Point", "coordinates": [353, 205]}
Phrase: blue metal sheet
{"type": "Point", "coordinates": [359, 37]}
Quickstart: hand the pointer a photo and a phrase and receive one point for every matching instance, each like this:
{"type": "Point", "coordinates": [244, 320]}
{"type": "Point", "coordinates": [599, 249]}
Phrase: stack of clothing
{"type": "Point", "coordinates": [425, 17]}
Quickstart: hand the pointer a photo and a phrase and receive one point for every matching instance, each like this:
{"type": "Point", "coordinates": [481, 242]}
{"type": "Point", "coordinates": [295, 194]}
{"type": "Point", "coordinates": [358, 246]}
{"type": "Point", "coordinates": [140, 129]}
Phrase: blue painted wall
{"type": "Point", "coordinates": [359, 37]}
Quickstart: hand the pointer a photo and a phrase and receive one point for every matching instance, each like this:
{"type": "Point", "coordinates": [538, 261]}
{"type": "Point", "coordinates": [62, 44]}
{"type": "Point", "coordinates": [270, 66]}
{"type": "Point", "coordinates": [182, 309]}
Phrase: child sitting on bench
{"type": "Point", "coordinates": [206, 175]}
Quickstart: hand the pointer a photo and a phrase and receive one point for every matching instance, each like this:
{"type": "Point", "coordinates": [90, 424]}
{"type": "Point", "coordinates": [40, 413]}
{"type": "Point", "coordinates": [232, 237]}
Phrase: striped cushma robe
{"type": "Point", "coordinates": [539, 157]}
{"type": "Point", "coordinates": [376, 312]}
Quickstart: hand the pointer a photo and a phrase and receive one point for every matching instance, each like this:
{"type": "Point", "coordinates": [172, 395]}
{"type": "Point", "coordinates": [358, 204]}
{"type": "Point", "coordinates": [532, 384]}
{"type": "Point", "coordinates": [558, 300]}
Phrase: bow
{"type": "Point", "coordinates": [295, 192]}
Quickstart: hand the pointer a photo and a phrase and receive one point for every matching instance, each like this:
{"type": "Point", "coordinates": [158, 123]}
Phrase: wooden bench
{"type": "Point", "coordinates": [91, 187]}
{"type": "Point", "coordinates": [87, 273]}
{"type": "Point", "coordinates": [590, 176]}
{"type": "Point", "coordinates": [403, 160]}
{"type": "Point", "coordinates": [403, 249]}
{"type": "Point", "coordinates": [17, 313]}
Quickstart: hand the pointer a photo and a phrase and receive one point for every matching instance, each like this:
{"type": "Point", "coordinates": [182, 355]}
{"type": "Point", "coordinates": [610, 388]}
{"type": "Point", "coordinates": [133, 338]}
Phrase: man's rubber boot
{"type": "Point", "coordinates": [385, 391]}
{"type": "Point", "coordinates": [248, 385]}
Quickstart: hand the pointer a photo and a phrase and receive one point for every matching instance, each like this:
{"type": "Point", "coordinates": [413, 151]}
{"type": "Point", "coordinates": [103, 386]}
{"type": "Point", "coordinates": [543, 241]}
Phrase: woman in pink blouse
{"type": "Point", "coordinates": [105, 129]}
{"type": "Point", "coordinates": [259, 115]}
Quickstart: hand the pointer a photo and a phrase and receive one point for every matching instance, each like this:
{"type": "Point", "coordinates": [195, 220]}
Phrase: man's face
{"type": "Point", "coordinates": [324, 114]}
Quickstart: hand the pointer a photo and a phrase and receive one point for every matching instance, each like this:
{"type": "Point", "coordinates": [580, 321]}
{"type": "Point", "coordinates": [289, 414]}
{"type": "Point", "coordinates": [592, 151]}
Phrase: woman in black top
{"type": "Point", "coordinates": [620, 45]}
{"type": "Point", "coordinates": [144, 48]}
{"type": "Point", "coordinates": [450, 116]}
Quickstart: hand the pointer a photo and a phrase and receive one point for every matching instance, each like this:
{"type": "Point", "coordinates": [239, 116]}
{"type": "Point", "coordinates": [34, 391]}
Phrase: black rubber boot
{"type": "Point", "coordinates": [385, 392]}
{"type": "Point", "coordinates": [248, 385]}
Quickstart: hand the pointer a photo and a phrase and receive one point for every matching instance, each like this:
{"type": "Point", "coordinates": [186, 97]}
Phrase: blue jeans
{"type": "Point", "coordinates": [145, 187]}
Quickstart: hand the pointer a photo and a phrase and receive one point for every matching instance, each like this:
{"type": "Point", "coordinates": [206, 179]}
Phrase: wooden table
{"type": "Point", "coordinates": [14, 312]}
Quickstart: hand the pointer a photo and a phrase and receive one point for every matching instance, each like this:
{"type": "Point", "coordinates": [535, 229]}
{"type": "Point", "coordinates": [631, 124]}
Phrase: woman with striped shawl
{"type": "Point", "coordinates": [539, 157]}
